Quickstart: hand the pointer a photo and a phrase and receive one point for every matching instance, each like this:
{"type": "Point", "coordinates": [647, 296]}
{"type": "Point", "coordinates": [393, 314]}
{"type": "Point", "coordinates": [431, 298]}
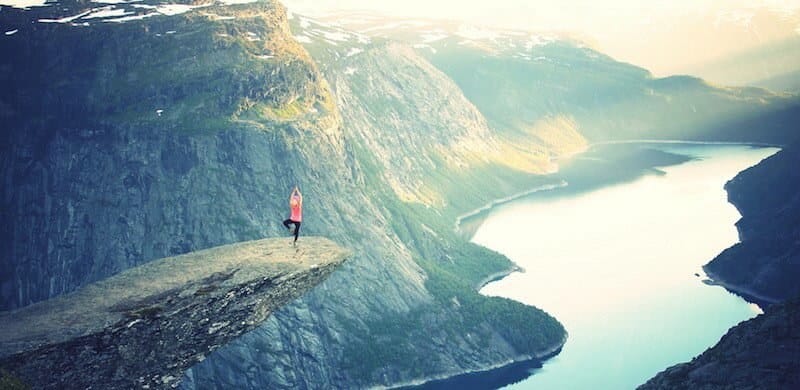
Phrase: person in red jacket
{"type": "Point", "coordinates": [296, 217]}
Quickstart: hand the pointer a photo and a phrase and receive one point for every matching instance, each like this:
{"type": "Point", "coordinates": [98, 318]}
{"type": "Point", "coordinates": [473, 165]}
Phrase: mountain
{"type": "Point", "coordinates": [393, 100]}
{"type": "Point", "coordinates": [523, 82]}
{"type": "Point", "coordinates": [428, 156]}
{"type": "Point", "coordinates": [764, 266]}
{"type": "Point", "coordinates": [760, 353]}
{"type": "Point", "coordinates": [774, 66]}
{"type": "Point", "coordinates": [136, 131]}
{"type": "Point", "coordinates": [156, 320]}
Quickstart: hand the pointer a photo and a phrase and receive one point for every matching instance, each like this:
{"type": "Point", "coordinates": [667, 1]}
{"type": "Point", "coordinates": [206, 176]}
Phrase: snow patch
{"type": "Point", "coordinates": [107, 12]}
{"type": "Point", "coordinates": [265, 57]}
{"type": "Point", "coordinates": [158, 112]}
{"type": "Point", "coordinates": [475, 33]}
{"type": "Point", "coordinates": [129, 18]}
{"type": "Point", "coordinates": [335, 36]}
{"type": "Point", "coordinates": [65, 19]}
{"type": "Point", "coordinates": [12, 32]}
{"type": "Point", "coordinates": [350, 70]}
{"type": "Point", "coordinates": [23, 4]}
{"type": "Point", "coordinates": [432, 37]}
{"type": "Point", "coordinates": [424, 46]}
{"type": "Point", "coordinates": [537, 40]}
{"type": "Point", "coordinates": [176, 9]}
{"type": "Point", "coordinates": [114, 1]}
{"type": "Point", "coordinates": [354, 51]}
{"type": "Point", "coordinates": [233, 2]}
{"type": "Point", "coordinates": [303, 39]}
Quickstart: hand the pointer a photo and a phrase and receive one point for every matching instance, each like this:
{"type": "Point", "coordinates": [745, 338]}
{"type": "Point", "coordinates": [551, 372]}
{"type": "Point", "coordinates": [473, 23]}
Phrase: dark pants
{"type": "Point", "coordinates": [296, 227]}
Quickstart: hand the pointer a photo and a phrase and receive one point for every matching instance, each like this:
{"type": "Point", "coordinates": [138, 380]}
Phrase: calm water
{"type": "Point", "coordinates": [617, 266]}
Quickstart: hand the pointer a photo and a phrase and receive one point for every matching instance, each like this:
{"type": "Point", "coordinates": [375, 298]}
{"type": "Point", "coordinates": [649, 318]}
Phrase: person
{"type": "Point", "coordinates": [296, 217]}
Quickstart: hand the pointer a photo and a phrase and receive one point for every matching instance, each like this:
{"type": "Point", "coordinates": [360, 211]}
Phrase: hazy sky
{"type": "Point", "coordinates": [663, 36]}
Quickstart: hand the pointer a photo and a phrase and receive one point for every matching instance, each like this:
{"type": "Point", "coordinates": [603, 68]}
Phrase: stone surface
{"type": "Point", "coordinates": [145, 326]}
{"type": "Point", "coordinates": [761, 353]}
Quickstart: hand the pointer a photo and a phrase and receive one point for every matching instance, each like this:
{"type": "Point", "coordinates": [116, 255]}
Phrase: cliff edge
{"type": "Point", "coordinates": [761, 353]}
{"type": "Point", "coordinates": [764, 266]}
{"type": "Point", "coordinates": [144, 327]}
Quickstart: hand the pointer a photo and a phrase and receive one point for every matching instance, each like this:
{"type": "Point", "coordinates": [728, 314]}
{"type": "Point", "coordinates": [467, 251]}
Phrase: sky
{"type": "Point", "coordinates": [666, 37]}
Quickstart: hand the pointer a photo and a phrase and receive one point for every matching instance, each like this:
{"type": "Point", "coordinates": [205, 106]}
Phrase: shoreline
{"type": "Point", "coordinates": [497, 202]}
{"type": "Point", "coordinates": [551, 352]}
{"type": "Point", "coordinates": [538, 358]}
{"type": "Point", "coordinates": [745, 293]}
{"type": "Point", "coordinates": [499, 275]}
{"type": "Point", "coordinates": [678, 142]}
{"type": "Point", "coordinates": [562, 183]}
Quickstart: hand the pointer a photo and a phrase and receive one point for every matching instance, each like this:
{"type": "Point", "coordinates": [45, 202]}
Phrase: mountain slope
{"type": "Point", "coordinates": [143, 142]}
{"type": "Point", "coordinates": [169, 132]}
{"type": "Point", "coordinates": [761, 353]}
{"type": "Point", "coordinates": [517, 79]}
{"type": "Point", "coordinates": [386, 94]}
{"type": "Point", "coordinates": [764, 266]}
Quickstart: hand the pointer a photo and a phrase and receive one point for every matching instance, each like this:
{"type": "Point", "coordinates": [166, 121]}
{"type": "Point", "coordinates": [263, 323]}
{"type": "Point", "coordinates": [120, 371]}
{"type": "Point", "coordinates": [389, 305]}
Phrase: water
{"type": "Point", "coordinates": [617, 266]}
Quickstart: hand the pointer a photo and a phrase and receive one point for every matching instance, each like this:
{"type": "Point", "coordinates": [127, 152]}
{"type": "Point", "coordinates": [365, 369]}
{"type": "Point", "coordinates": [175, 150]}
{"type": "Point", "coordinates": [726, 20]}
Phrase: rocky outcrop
{"type": "Point", "coordinates": [761, 353]}
{"type": "Point", "coordinates": [171, 132]}
{"type": "Point", "coordinates": [765, 265]}
{"type": "Point", "coordinates": [144, 327]}
{"type": "Point", "coordinates": [401, 115]}
{"type": "Point", "coordinates": [155, 137]}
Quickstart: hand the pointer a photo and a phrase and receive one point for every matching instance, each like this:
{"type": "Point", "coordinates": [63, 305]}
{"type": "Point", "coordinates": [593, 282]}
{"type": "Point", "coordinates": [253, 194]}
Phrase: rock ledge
{"type": "Point", "coordinates": [145, 326]}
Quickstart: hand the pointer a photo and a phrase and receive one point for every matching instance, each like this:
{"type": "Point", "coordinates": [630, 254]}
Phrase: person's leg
{"type": "Point", "coordinates": [286, 223]}
{"type": "Point", "coordinates": [296, 230]}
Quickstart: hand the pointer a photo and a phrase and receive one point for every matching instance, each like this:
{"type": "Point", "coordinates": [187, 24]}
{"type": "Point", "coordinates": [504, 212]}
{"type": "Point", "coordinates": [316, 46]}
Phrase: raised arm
{"type": "Point", "coordinates": [296, 191]}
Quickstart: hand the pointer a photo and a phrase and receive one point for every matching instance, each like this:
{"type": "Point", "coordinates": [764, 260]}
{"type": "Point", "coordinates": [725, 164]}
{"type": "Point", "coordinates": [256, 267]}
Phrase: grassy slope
{"type": "Point", "coordinates": [454, 268]}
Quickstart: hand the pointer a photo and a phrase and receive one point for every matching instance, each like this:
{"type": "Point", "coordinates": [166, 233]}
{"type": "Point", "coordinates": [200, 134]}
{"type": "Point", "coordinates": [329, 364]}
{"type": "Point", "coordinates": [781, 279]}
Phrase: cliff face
{"type": "Point", "coordinates": [126, 142]}
{"type": "Point", "coordinates": [761, 353]}
{"type": "Point", "coordinates": [764, 266]}
{"type": "Point", "coordinates": [416, 136]}
{"type": "Point", "coordinates": [144, 327]}
{"type": "Point", "coordinates": [131, 140]}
